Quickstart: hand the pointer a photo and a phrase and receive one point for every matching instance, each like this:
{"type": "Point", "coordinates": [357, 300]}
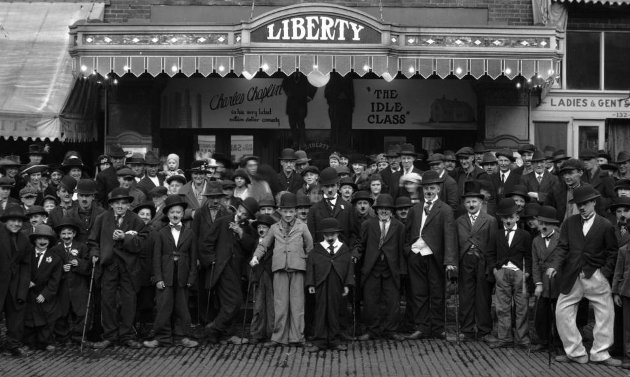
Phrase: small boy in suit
{"type": "Point", "coordinates": [262, 318]}
{"type": "Point", "coordinates": [511, 261]}
{"type": "Point", "coordinates": [543, 247]}
{"type": "Point", "coordinates": [175, 271]}
{"type": "Point", "coordinates": [74, 286]}
{"type": "Point", "coordinates": [329, 276]}
{"type": "Point", "coordinates": [42, 295]}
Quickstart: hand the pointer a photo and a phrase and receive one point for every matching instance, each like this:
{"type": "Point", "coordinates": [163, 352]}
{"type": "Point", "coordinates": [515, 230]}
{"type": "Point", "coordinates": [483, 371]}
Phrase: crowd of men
{"type": "Point", "coordinates": [326, 254]}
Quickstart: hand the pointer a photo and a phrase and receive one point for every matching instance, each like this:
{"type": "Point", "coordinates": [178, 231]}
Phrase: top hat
{"type": "Point", "coordinates": [288, 200]}
{"type": "Point", "coordinates": [527, 148]}
{"type": "Point", "coordinates": [7, 182]}
{"type": "Point", "coordinates": [347, 181]}
{"type": "Point", "coordinates": [13, 211]}
{"type": "Point", "coordinates": [328, 176]}
{"type": "Point", "coordinates": [242, 173]}
{"type": "Point", "coordinates": [115, 151]}
{"type": "Point", "coordinates": [172, 201]}
{"type": "Point", "coordinates": [158, 191]}
{"type": "Point", "coordinates": [362, 195]}
{"type": "Point", "coordinates": [287, 154]}
{"type": "Point", "coordinates": [436, 158]}
{"type": "Point", "coordinates": [623, 201]}
{"type": "Point", "coordinates": [86, 187]}
{"type": "Point", "coordinates": [571, 164]}
{"type": "Point", "coordinates": [329, 225]}
{"type": "Point", "coordinates": [464, 152]}
{"type": "Point", "coordinates": [67, 222]}
{"type": "Point", "coordinates": [35, 210]}
{"type": "Point", "coordinates": [213, 188]}
{"type": "Point", "coordinates": [584, 194]}
{"type": "Point", "coordinates": [538, 156]}
{"type": "Point", "coordinates": [135, 158]}
{"type": "Point", "coordinates": [301, 157]}
{"type": "Point", "coordinates": [119, 193]}
{"type": "Point", "coordinates": [547, 214]}
{"type": "Point", "coordinates": [403, 202]}
{"type": "Point", "coordinates": [384, 201]}
{"type": "Point", "coordinates": [407, 149]}
{"type": "Point", "coordinates": [251, 205]}
{"type": "Point", "coordinates": [472, 189]}
{"type": "Point", "coordinates": [176, 177]}
{"type": "Point", "coordinates": [431, 177]}
{"type": "Point", "coordinates": [263, 220]}
{"type": "Point", "coordinates": [151, 159]}
{"type": "Point", "coordinates": [488, 159]}
{"type": "Point", "coordinates": [530, 210]}
{"type": "Point", "coordinates": [507, 153]}
{"type": "Point", "coordinates": [506, 207]}
{"type": "Point", "coordinates": [43, 230]}
{"type": "Point", "coordinates": [199, 166]}
{"type": "Point", "coordinates": [303, 201]}
{"type": "Point", "coordinates": [519, 190]}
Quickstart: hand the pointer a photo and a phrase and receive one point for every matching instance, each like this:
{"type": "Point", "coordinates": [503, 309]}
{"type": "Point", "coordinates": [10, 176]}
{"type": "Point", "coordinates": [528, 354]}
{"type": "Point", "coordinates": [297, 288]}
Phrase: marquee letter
{"type": "Point", "coordinates": [312, 25]}
{"type": "Point", "coordinates": [298, 28]}
{"type": "Point", "coordinates": [356, 28]}
{"type": "Point", "coordinates": [343, 25]}
{"type": "Point", "coordinates": [270, 35]}
{"type": "Point", "coordinates": [327, 24]}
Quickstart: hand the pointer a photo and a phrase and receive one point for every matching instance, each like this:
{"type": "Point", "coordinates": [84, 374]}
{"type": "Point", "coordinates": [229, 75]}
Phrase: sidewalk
{"type": "Point", "coordinates": [372, 358]}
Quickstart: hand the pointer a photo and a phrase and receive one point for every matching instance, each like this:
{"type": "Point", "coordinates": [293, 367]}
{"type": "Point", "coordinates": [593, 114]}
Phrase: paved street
{"type": "Point", "coordinates": [372, 358]}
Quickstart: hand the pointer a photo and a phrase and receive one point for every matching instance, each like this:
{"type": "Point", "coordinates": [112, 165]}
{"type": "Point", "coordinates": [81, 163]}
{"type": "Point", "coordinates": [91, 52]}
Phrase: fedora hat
{"type": "Point", "coordinates": [36, 149]}
{"type": "Point", "coordinates": [303, 201]}
{"type": "Point", "coordinates": [13, 211]}
{"type": "Point", "coordinates": [287, 154]}
{"type": "Point", "coordinates": [547, 214]}
{"type": "Point", "coordinates": [69, 183]}
{"type": "Point", "coordinates": [362, 195]}
{"type": "Point", "coordinates": [7, 182]}
{"type": "Point", "coordinates": [288, 200]}
{"type": "Point", "coordinates": [115, 151]}
{"type": "Point", "coordinates": [506, 207]}
{"type": "Point", "coordinates": [158, 191]}
{"type": "Point", "coordinates": [623, 156]}
{"type": "Point", "coordinates": [341, 170]}
{"type": "Point", "coordinates": [519, 190]}
{"type": "Point", "coordinates": [584, 194]}
{"type": "Point", "coordinates": [8, 163]}
{"type": "Point", "coordinates": [34, 168]}
{"type": "Point", "coordinates": [403, 202]}
{"type": "Point", "coordinates": [530, 210]}
{"type": "Point", "coordinates": [538, 156]}
{"type": "Point", "coordinates": [450, 156]}
{"type": "Point", "coordinates": [464, 152]}
{"type": "Point", "coordinates": [213, 188]}
{"type": "Point", "coordinates": [329, 225]}
{"type": "Point", "coordinates": [251, 205]}
{"type": "Point", "coordinates": [151, 159]}
{"type": "Point", "coordinates": [119, 193]}
{"type": "Point", "coordinates": [507, 153]}
{"type": "Point", "coordinates": [472, 189]}
{"type": "Point", "coordinates": [126, 173]}
{"type": "Point", "coordinates": [43, 230]}
{"type": "Point", "coordinates": [67, 222]}
{"type": "Point", "coordinates": [347, 181]}
{"type": "Point", "coordinates": [479, 148]}
{"type": "Point", "coordinates": [220, 158]}
{"type": "Point", "coordinates": [391, 153]}
{"type": "Point", "coordinates": [301, 157]}
{"type": "Point", "coordinates": [35, 210]}
{"type": "Point", "coordinates": [548, 150]}
{"type": "Point", "coordinates": [488, 159]}
{"type": "Point", "coordinates": [267, 202]}
{"type": "Point", "coordinates": [263, 220]}
{"type": "Point", "coordinates": [622, 184]}
{"type": "Point", "coordinates": [328, 176]}
{"type": "Point", "coordinates": [571, 164]}
{"type": "Point", "coordinates": [384, 201]}
{"type": "Point", "coordinates": [623, 201]}
{"type": "Point", "coordinates": [559, 155]}
{"type": "Point", "coordinates": [407, 149]}
{"type": "Point", "coordinates": [199, 166]}
{"type": "Point", "coordinates": [172, 201]}
{"type": "Point", "coordinates": [436, 158]}
{"type": "Point", "coordinates": [135, 158]}
{"type": "Point", "coordinates": [176, 177]}
{"type": "Point", "coordinates": [527, 148]}
{"type": "Point", "coordinates": [86, 187]}
{"type": "Point", "coordinates": [431, 177]}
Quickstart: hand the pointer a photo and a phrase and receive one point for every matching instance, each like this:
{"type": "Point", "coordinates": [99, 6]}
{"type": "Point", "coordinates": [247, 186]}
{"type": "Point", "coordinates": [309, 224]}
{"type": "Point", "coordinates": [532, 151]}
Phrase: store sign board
{"type": "Point", "coordinates": [316, 29]}
{"type": "Point", "coordinates": [613, 106]}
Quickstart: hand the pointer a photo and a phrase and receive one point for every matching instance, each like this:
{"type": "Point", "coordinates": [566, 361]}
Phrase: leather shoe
{"type": "Point", "coordinates": [101, 345]}
{"type": "Point", "coordinates": [466, 338]}
{"type": "Point", "coordinates": [500, 345]}
{"type": "Point", "coordinates": [416, 335]}
{"type": "Point", "coordinates": [186, 343]}
{"type": "Point", "coordinates": [609, 362]}
{"type": "Point", "coordinates": [364, 337]}
{"type": "Point", "coordinates": [397, 337]}
{"type": "Point", "coordinates": [50, 348]}
{"type": "Point", "coordinates": [312, 349]}
{"type": "Point", "coordinates": [133, 344]}
{"type": "Point", "coordinates": [270, 344]}
{"type": "Point", "coordinates": [566, 359]}
{"type": "Point", "coordinates": [625, 365]}
{"type": "Point", "coordinates": [340, 347]}
{"type": "Point", "coordinates": [20, 352]}
{"type": "Point", "coordinates": [151, 343]}
{"type": "Point", "coordinates": [441, 335]}
{"type": "Point", "coordinates": [538, 348]}
{"type": "Point", "coordinates": [489, 338]}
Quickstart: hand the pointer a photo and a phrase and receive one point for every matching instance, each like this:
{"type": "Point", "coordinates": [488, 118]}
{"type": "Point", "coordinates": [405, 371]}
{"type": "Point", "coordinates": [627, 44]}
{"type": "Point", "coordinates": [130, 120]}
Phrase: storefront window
{"type": "Point", "coordinates": [241, 145]}
{"type": "Point", "coordinates": [583, 60]}
{"type": "Point", "coordinates": [551, 133]}
{"type": "Point", "coordinates": [616, 75]}
{"type": "Point", "coordinates": [588, 138]}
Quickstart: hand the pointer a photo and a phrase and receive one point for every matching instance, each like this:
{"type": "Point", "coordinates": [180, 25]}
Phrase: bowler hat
{"type": "Point", "coordinates": [67, 222]}
{"type": "Point", "coordinates": [530, 210]}
{"type": "Point", "coordinates": [547, 214]}
{"type": "Point", "coordinates": [623, 156]}
{"type": "Point", "coordinates": [538, 156]}
{"type": "Point", "coordinates": [431, 177]}
{"type": "Point", "coordinates": [507, 153]}
{"type": "Point", "coordinates": [391, 153]}
{"type": "Point", "coordinates": [548, 150]}
{"type": "Point", "coordinates": [623, 201]}
{"type": "Point", "coordinates": [72, 162]}
{"type": "Point", "coordinates": [359, 159]}
{"type": "Point", "coordinates": [450, 156]}
{"type": "Point", "coordinates": [488, 159]}
{"type": "Point", "coordinates": [436, 158]}
{"type": "Point", "coordinates": [328, 176]}
{"type": "Point", "coordinates": [303, 201]}
{"type": "Point", "coordinates": [151, 159]}
{"type": "Point", "coordinates": [472, 189]}
{"type": "Point", "coordinates": [126, 172]}
{"type": "Point", "coordinates": [242, 173]}
{"type": "Point", "coordinates": [54, 198]}
{"type": "Point", "coordinates": [13, 211]}
{"type": "Point", "coordinates": [69, 183]}
{"type": "Point", "coordinates": [480, 148]}
{"type": "Point", "coordinates": [7, 182]}
{"type": "Point", "coordinates": [247, 158]}
{"type": "Point", "coordinates": [199, 166]}
{"type": "Point", "coordinates": [559, 155]}
{"type": "Point", "coordinates": [407, 149]}
{"type": "Point", "coordinates": [588, 154]}
{"type": "Point", "coordinates": [86, 187]}
{"type": "Point", "coordinates": [158, 191]}
{"type": "Point", "coordinates": [119, 193]}
{"type": "Point", "coordinates": [342, 170]}
{"type": "Point", "coordinates": [519, 190]}
{"type": "Point", "coordinates": [310, 169]}
{"type": "Point", "coordinates": [403, 202]}
{"type": "Point", "coordinates": [301, 157]}
{"type": "Point", "coordinates": [176, 177]}
{"type": "Point", "coordinates": [329, 225]}
{"type": "Point", "coordinates": [584, 194]}
{"type": "Point", "coordinates": [347, 181]}
{"type": "Point", "coordinates": [267, 202]}
{"type": "Point", "coordinates": [506, 207]}
{"type": "Point", "coordinates": [43, 230]}
{"type": "Point", "coordinates": [527, 148]}
{"type": "Point", "coordinates": [622, 184]}
{"type": "Point", "coordinates": [36, 149]}
{"type": "Point", "coordinates": [609, 166]}
{"type": "Point", "coordinates": [288, 200]}
{"type": "Point", "coordinates": [464, 152]}
{"type": "Point", "coordinates": [571, 164]}
{"type": "Point", "coordinates": [35, 210]}
{"type": "Point", "coordinates": [172, 201]}
{"type": "Point", "coordinates": [251, 205]}
{"type": "Point", "coordinates": [34, 168]}
{"type": "Point", "coordinates": [263, 220]}
{"type": "Point", "coordinates": [362, 195]}
{"type": "Point", "coordinates": [135, 158]}
{"type": "Point", "coordinates": [603, 154]}
{"type": "Point", "coordinates": [115, 151]}
{"type": "Point", "coordinates": [213, 188]}
{"type": "Point", "coordinates": [384, 201]}
{"type": "Point", "coordinates": [287, 154]}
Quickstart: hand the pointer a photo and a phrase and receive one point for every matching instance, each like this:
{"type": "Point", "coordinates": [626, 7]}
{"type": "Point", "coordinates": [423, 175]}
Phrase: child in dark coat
{"type": "Point", "coordinates": [329, 276]}
{"type": "Point", "coordinates": [42, 296]}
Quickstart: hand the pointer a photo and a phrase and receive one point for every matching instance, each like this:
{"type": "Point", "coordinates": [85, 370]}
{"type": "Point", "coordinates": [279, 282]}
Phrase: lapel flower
{"type": "Point", "coordinates": [342, 207]}
{"type": "Point", "coordinates": [48, 259]}
{"type": "Point", "coordinates": [74, 252]}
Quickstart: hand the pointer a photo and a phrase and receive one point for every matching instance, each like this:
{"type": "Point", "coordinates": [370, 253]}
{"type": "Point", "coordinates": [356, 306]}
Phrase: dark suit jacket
{"type": "Point", "coordinates": [165, 251]}
{"type": "Point", "coordinates": [220, 245]}
{"type": "Point", "coordinates": [578, 253]}
{"type": "Point", "coordinates": [463, 177]}
{"type": "Point", "coordinates": [449, 193]}
{"type": "Point", "coordinates": [603, 183]}
{"type": "Point", "coordinates": [343, 212]}
{"type": "Point", "coordinates": [481, 236]}
{"type": "Point", "coordinates": [438, 231]}
{"type": "Point", "coordinates": [202, 221]}
{"type": "Point", "coordinates": [106, 181]}
{"type": "Point", "coordinates": [544, 188]}
{"type": "Point", "coordinates": [520, 248]}
{"type": "Point", "coordinates": [559, 201]}
{"type": "Point", "coordinates": [297, 88]}
{"type": "Point", "coordinates": [320, 264]}
{"type": "Point", "coordinates": [541, 261]}
{"type": "Point", "coordinates": [391, 180]}
{"type": "Point", "coordinates": [146, 184]}
{"type": "Point", "coordinates": [74, 285]}
{"type": "Point", "coordinates": [292, 183]}
{"type": "Point", "coordinates": [503, 188]}
{"type": "Point", "coordinates": [393, 244]}
{"type": "Point", "coordinates": [46, 278]}
{"type": "Point", "coordinates": [15, 268]}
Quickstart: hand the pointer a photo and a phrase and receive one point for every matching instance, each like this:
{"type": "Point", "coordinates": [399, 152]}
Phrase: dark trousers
{"type": "Point", "coordinates": [145, 303]}
{"type": "Point", "coordinates": [298, 126]}
{"type": "Point", "coordinates": [545, 315]}
{"type": "Point", "coordinates": [230, 295]}
{"type": "Point", "coordinates": [329, 302]}
{"type": "Point", "coordinates": [69, 326]}
{"type": "Point", "coordinates": [263, 316]}
{"type": "Point", "coordinates": [14, 315]}
{"type": "Point", "coordinates": [475, 296]}
{"type": "Point", "coordinates": [173, 318]}
{"type": "Point", "coordinates": [377, 289]}
{"type": "Point", "coordinates": [38, 336]}
{"type": "Point", "coordinates": [117, 289]}
{"type": "Point", "coordinates": [426, 277]}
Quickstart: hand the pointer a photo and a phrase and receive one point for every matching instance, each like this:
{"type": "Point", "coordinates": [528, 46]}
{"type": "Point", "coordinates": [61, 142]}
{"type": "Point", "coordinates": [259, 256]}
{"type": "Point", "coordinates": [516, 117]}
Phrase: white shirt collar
{"type": "Point", "coordinates": [336, 245]}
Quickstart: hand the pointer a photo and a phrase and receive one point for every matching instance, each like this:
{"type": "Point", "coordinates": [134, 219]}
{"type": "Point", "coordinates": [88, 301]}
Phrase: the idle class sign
{"type": "Point", "coordinates": [316, 29]}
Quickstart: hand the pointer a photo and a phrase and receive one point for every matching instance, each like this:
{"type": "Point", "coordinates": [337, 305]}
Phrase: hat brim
{"type": "Point", "coordinates": [547, 219]}
{"type": "Point", "coordinates": [128, 198]}
{"type": "Point", "coordinates": [86, 192]}
{"type": "Point", "coordinates": [432, 182]}
{"type": "Point", "coordinates": [609, 167]}
{"type": "Point", "coordinates": [557, 159]}
{"type": "Point", "coordinates": [60, 227]}
{"type": "Point", "coordinates": [382, 206]}
{"type": "Point", "coordinates": [4, 218]}
{"type": "Point", "coordinates": [171, 205]}
{"type": "Point", "coordinates": [354, 200]}
{"type": "Point", "coordinates": [587, 199]}
{"type": "Point", "coordinates": [408, 153]}
{"type": "Point", "coordinates": [330, 230]}
{"type": "Point", "coordinates": [473, 195]}
{"type": "Point", "coordinates": [213, 194]}
{"type": "Point", "coordinates": [33, 236]}
{"type": "Point", "coordinates": [508, 212]}
{"type": "Point", "coordinates": [329, 182]}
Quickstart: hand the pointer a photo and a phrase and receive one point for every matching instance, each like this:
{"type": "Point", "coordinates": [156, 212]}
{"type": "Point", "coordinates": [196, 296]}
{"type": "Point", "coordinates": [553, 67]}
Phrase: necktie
{"type": "Point", "coordinates": [507, 234]}
{"type": "Point", "coordinates": [68, 249]}
{"type": "Point", "coordinates": [585, 219]}
{"type": "Point", "coordinates": [623, 229]}
{"type": "Point", "coordinates": [503, 178]}
{"type": "Point", "coordinates": [119, 220]}
{"type": "Point", "coordinates": [539, 178]}
{"type": "Point", "coordinates": [331, 249]}
{"type": "Point", "coordinates": [177, 227]}
{"type": "Point", "coordinates": [39, 256]}
{"type": "Point", "coordinates": [330, 204]}
{"type": "Point", "coordinates": [427, 208]}
{"type": "Point", "coordinates": [382, 238]}
{"type": "Point", "coordinates": [473, 218]}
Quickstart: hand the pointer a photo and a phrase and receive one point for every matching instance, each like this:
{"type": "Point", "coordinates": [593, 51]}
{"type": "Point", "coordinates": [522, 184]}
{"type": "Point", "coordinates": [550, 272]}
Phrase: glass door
{"type": "Point", "coordinates": [589, 135]}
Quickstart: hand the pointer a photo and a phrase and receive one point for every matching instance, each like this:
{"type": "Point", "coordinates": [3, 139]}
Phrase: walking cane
{"type": "Point", "coordinates": [457, 309]}
{"type": "Point", "coordinates": [550, 344]}
{"type": "Point", "coordinates": [87, 309]}
{"type": "Point", "coordinates": [249, 284]}
{"type": "Point", "coordinates": [445, 301]}
{"type": "Point", "coordinates": [354, 305]}
{"type": "Point", "coordinates": [210, 291]}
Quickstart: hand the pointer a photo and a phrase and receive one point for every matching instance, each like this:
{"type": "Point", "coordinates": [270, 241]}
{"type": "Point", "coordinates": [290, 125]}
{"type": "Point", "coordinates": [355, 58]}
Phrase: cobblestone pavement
{"type": "Point", "coordinates": [371, 358]}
